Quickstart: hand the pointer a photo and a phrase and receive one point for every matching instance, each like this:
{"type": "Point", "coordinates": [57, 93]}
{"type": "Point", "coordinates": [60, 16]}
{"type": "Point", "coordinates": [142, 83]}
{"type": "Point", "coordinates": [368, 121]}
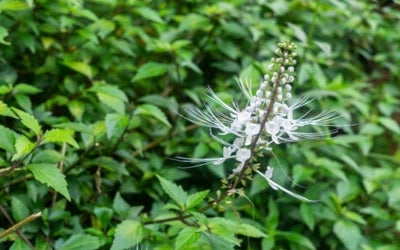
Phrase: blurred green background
{"type": "Point", "coordinates": [109, 78]}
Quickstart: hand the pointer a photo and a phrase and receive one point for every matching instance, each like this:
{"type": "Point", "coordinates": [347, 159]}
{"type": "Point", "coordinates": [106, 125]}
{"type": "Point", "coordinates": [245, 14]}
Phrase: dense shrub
{"type": "Point", "coordinates": [90, 93]}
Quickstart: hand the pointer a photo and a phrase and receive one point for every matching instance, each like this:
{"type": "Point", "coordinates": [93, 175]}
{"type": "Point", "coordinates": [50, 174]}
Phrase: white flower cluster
{"type": "Point", "coordinates": [267, 119]}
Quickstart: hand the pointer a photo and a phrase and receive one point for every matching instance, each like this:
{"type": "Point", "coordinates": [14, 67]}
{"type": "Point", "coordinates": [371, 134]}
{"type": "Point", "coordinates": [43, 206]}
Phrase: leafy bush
{"type": "Point", "coordinates": [90, 96]}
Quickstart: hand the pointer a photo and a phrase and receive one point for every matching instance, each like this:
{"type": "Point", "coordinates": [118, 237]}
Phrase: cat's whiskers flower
{"type": "Point", "coordinates": [268, 118]}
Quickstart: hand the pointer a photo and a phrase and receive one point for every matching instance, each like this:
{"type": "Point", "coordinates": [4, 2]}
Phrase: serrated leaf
{"type": "Point", "coordinates": [297, 239]}
{"type": "Point", "coordinates": [23, 88]}
{"type": "Point", "coordinates": [390, 124]}
{"type": "Point", "coordinates": [186, 237]}
{"type": "Point", "coordinates": [195, 199]}
{"type": "Point", "coordinates": [120, 206]}
{"type": "Point", "coordinates": [7, 139]}
{"type": "Point", "coordinates": [223, 228]}
{"type": "Point", "coordinates": [60, 135]}
{"type": "Point", "coordinates": [154, 111]}
{"type": "Point", "coordinates": [29, 121]}
{"type": "Point", "coordinates": [307, 214]}
{"type": "Point", "coordinates": [50, 175]}
{"type": "Point", "coordinates": [23, 147]}
{"type": "Point", "coordinates": [81, 241]}
{"type": "Point", "coordinates": [150, 70]}
{"type": "Point", "coordinates": [348, 233]}
{"type": "Point", "coordinates": [13, 5]}
{"type": "Point", "coordinates": [20, 244]}
{"type": "Point", "coordinates": [174, 191]}
{"type": "Point", "coordinates": [6, 111]}
{"type": "Point", "coordinates": [115, 124]}
{"type": "Point", "coordinates": [75, 126]}
{"type": "Point", "coordinates": [149, 14]}
{"type": "Point", "coordinates": [249, 231]}
{"type": "Point", "coordinates": [3, 34]}
{"type": "Point", "coordinates": [111, 96]}
{"type": "Point", "coordinates": [80, 67]}
{"type": "Point", "coordinates": [127, 234]}
{"type": "Point", "coordinates": [19, 210]}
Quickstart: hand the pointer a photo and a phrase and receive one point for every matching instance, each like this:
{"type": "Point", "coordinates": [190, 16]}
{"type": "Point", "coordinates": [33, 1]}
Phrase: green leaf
{"type": "Point", "coordinates": [348, 233]}
{"type": "Point", "coordinates": [29, 121]}
{"type": "Point", "coordinates": [307, 214]}
{"type": "Point", "coordinates": [23, 88]}
{"type": "Point", "coordinates": [127, 234]}
{"type": "Point", "coordinates": [186, 237]}
{"type": "Point", "coordinates": [150, 70]}
{"type": "Point", "coordinates": [24, 102]}
{"type": "Point", "coordinates": [19, 210]}
{"type": "Point", "coordinates": [3, 34]}
{"type": "Point", "coordinates": [20, 244]}
{"type": "Point", "coordinates": [13, 5]}
{"type": "Point", "coordinates": [297, 239]}
{"type": "Point", "coordinates": [149, 14]}
{"type": "Point", "coordinates": [120, 206]}
{"type": "Point", "coordinates": [75, 126]}
{"type": "Point", "coordinates": [81, 241]}
{"type": "Point", "coordinates": [174, 191]}
{"type": "Point", "coordinates": [60, 135]}
{"type": "Point", "coordinates": [6, 111]}
{"type": "Point", "coordinates": [23, 147]}
{"type": "Point", "coordinates": [390, 124]}
{"type": "Point", "coordinates": [50, 175]}
{"type": "Point", "coordinates": [7, 139]}
{"type": "Point", "coordinates": [80, 67]}
{"type": "Point", "coordinates": [111, 96]}
{"type": "Point", "coordinates": [154, 111]}
{"type": "Point", "coordinates": [195, 199]}
{"type": "Point", "coordinates": [223, 228]}
{"type": "Point", "coordinates": [115, 124]}
{"type": "Point", "coordinates": [249, 231]}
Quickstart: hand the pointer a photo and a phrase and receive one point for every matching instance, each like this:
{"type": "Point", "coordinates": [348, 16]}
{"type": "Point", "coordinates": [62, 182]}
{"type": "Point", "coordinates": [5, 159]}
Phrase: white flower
{"type": "Point", "coordinates": [245, 123]}
{"type": "Point", "coordinates": [268, 176]}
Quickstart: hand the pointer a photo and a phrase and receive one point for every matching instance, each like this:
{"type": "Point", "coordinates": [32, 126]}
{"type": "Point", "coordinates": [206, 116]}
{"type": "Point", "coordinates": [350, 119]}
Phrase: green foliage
{"type": "Point", "coordinates": [89, 97]}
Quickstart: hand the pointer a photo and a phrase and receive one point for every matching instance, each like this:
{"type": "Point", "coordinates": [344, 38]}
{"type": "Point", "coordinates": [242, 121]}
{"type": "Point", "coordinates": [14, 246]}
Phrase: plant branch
{"type": "Point", "coordinates": [16, 227]}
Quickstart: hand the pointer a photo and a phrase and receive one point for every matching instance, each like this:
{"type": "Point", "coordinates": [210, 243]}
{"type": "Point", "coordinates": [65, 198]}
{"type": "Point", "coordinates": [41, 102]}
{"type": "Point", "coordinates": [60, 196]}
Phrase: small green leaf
{"type": "Point", "coordinates": [149, 14]}
{"type": "Point", "coordinates": [348, 233]}
{"type": "Point", "coordinates": [154, 111]}
{"type": "Point", "coordinates": [29, 121]}
{"type": "Point", "coordinates": [195, 199]}
{"type": "Point", "coordinates": [120, 206]}
{"type": "Point", "coordinates": [111, 96]}
{"type": "Point", "coordinates": [75, 126]}
{"type": "Point", "coordinates": [23, 147]}
{"type": "Point", "coordinates": [390, 124]}
{"type": "Point", "coordinates": [13, 5]}
{"type": "Point", "coordinates": [81, 241]}
{"type": "Point", "coordinates": [297, 239]}
{"type": "Point", "coordinates": [6, 111]}
{"type": "Point", "coordinates": [174, 191]}
{"type": "Point", "coordinates": [249, 231]}
{"type": "Point", "coordinates": [223, 228]}
{"type": "Point", "coordinates": [19, 210]}
{"type": "Point", "coordinates": [307, 214]}
{"type": "Point", "coordinates": [23, 88]}
{"type": "Point", "coordinates": [127, 234]}
{"type": "Point", "coordinates": [115, 124]}
{"type": "Point", "coordinates": [186, 237]}
{"type": "Point", "coordinates": [7, 139]}
{"type": "Point", "coordinates": [50, 175]}
{"type": "Point", "coordinates": [150, 70]}
{"type": "Point", "coordinates": [60, 135]}
{"type": "Point", "coordinates": [3, 34]}
{"type": "Point", "coordinates": [19, 244]}
{"type": "Point", "coordinates": [80, 67]}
